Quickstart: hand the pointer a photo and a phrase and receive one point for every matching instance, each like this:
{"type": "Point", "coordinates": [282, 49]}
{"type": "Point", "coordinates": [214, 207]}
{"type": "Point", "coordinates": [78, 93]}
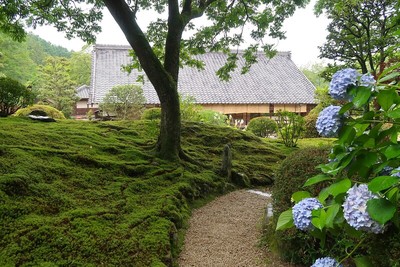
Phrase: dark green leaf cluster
{"type": "Point", "coordinates": [72, 17]}
{"type": "Point", "coordinates": [13, 96]}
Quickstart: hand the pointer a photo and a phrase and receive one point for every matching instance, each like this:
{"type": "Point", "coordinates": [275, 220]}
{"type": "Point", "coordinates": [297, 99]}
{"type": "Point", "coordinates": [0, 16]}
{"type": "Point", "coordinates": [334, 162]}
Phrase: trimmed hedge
{"type": "Point", "coordinates": [262, 126]}
{"type": "Point", "coordinates": [291, 244]}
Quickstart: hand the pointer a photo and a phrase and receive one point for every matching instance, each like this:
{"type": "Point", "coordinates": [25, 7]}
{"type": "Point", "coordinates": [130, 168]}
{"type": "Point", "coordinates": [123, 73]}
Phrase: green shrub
{"type": "Point", "coordinates": [262, 126]}
{"type": "Point", "coordinates": [13, 96]}
{"type": "Point", "coordinates": [290, 127]}
{"type": "Point", "coordinates": [310, 131]}
{"type": "Point", "coordinates": [51, 112]}
{"type": "Point", "coordinates": [151, 114]}
{"type": "Point", "coordinates": [293, 245]}
{"type": "Point", "coordinates": [212, 117]}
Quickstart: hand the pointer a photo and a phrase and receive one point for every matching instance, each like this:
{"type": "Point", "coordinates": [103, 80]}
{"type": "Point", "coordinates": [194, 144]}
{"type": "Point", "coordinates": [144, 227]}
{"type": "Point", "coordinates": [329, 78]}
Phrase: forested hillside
{"type": "Point", "coordinates": [20, 61]}
{"type": "Point", "coordinates": [52, 72]}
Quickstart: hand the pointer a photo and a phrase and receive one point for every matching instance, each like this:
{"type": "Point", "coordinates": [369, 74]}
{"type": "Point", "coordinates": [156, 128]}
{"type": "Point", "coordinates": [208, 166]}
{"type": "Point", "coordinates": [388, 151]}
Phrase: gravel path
{"type": "Point", "coordinates": [225, 233]}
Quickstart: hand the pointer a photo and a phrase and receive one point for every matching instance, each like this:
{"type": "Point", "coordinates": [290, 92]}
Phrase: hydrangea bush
{"type": "Point", "coordinates": [363, 172]}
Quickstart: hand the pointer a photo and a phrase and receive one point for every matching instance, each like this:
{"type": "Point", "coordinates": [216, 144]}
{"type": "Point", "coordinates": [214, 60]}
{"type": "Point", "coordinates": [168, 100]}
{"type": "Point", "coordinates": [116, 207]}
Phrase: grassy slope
{"type": "Point", "coordinates": [91, 194]}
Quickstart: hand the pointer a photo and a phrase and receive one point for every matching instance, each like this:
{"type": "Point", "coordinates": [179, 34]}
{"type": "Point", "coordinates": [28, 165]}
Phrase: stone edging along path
{"type": "Point", "coordinates": [225, 233]}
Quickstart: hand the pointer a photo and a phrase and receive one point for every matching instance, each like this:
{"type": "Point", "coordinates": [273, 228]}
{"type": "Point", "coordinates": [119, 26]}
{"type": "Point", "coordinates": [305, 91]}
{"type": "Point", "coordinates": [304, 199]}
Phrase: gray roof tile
{"type": "Point", "coordinates": [275, 81]}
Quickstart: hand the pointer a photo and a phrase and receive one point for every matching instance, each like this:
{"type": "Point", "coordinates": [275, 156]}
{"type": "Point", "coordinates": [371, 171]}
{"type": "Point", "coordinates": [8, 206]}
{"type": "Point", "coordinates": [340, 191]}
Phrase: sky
{"type": "Point", "coordinates": [304, 32]}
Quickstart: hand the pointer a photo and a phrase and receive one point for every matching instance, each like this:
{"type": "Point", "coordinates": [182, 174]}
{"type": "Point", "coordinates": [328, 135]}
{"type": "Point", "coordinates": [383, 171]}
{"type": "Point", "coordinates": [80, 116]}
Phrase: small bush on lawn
{"type": "Point", "coordinates": [50, 111]}
{"type": "Point", "coordinates": [310, 129]}
{"type": "Point", "coordinates": [262, 126]}
{"type": "Point", "coordinates": [293, 245]}
{"type": "Point", "coordinates": [151, 114]}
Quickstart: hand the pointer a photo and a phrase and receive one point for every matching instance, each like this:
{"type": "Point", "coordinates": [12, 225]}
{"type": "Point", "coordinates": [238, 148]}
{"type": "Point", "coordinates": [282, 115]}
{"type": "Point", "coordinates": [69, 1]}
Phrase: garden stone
{"type": "Point", "coordinates": [41, 118]}
{"type": "Point", "coordinates": [226, 168]}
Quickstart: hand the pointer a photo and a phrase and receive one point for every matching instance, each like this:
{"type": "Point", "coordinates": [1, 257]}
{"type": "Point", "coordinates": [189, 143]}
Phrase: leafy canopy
{"type": "Point", "coordinates": [361, 31]}
{"type": "Point", "coordinates": [228, 22]}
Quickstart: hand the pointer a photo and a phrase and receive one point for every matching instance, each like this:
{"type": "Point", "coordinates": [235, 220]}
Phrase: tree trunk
{"type": "Point", "coordinates": [164, 82]}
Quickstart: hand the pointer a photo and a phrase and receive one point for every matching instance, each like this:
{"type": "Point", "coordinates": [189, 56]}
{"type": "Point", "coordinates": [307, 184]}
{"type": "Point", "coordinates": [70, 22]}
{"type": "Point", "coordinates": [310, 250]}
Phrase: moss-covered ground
{"type": "Point", "coordinates": [76, 193]}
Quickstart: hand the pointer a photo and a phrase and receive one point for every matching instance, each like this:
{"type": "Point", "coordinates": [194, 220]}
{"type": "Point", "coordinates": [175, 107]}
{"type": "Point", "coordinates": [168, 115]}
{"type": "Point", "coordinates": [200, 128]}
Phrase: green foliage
{"type": "Point", "coordinates": [93, 193]}
{"type": "Point", "coordinates": [367, 145]}
{"type": "Point", "coordinates": [40, 49]}
{"type": "Point", "coordinates": [55, 86]}
{"type": "Point", "coordinates": [124, 102]}
{"type": "Point", "coordinates": [16, 61]}
{"type": "Point", "coordinates": [262, 126]}
{"type": "Point", "coordinates": [190, 111]}
{"type": "Point", "coordinates": [151, 114]}
{"type": "Point", "coordinates": [314, 74]}
{"type": "Point", "coordinates": [80, 67]}
{"type": "Point", "coordinates": [309, 125]}
{"type": "Point", "coordinates": [213, 117]}
{"type": "Point", "coordinates": [295, 246]}
{"type": "Point", "coordinates": [51, 112]}
{"type": "Point", "coordinates": [290, 127]}
{"type": "Point", "coordinates": [355, 23]}
{"type": "Point", "coordinates": [13, 96]}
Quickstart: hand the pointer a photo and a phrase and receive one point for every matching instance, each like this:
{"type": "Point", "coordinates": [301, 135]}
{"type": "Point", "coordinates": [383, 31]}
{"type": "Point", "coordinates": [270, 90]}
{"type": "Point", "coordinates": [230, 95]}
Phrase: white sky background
{"type": "Point", "coordinates": [304, 32]}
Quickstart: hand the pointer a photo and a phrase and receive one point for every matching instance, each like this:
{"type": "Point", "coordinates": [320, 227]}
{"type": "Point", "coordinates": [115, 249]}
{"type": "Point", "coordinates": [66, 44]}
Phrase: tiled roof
{"type": "Point", "coordinates": [83, 91]}
{"type": "Point", "coordinates": [275, 81]}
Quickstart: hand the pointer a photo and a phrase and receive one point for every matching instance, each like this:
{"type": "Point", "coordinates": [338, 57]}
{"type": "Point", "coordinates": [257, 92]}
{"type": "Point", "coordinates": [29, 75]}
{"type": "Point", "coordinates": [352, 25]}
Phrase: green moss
{"type": "Point", "coordinates": [92, 193]}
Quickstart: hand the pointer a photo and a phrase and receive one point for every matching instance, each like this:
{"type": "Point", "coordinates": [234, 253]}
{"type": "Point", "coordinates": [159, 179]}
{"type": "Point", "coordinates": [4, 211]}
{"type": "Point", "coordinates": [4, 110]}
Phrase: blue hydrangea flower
{"type": "Point", "coordinates": [355, 209]}
{"type": "Point", "coordinates": [326, 262]}
{"type": "Point", "coordinates": [367, 80]}
{"type": "Point", "coordinates": [397, 172]}
{"type": "Point", "coordinates": [387, 170]}
{"type": "Point", "coordinates": [302, 213]}
{"type": "Point", "coordinates": [341, 81]}
{"type": "Point", "coordinates": [329, 121]}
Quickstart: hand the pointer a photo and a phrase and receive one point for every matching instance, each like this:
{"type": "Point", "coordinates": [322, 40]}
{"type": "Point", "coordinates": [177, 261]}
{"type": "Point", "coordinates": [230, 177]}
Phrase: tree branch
{"type": "Point", "coordinates": [152, 66]}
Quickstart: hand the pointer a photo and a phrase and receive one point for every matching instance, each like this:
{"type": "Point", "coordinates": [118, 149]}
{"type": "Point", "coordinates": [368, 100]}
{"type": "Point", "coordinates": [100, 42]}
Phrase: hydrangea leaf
{"type": "Point", "coordinates": [386, 99]}
{"type": "Point", "coordinates": [362, 94]}
{"type": "Point", "coordinates": [391, 76]}
{"type": "Point", "coordinates": [394, 114]}
{"type": "Point", "coordinates": [319, 218]}
{"type": "Point", "coordinates": [347, 134]}
{"type": "Point", "coordinates": [392, 151]}
{"type": "Point", "coordinates": [382, 182]}
{"type": "Point", "coordinates": [339, 187]}
{"type": "Point", "coordinates": [331, 214]}
{"type": "Point", "coordinates": [323, 195]}
{"type": "Point", "coordinates": [393, 194]}
{"type": "Point", "coordinates": [362, 262]}
{"type": "Point", "coordinates": [381, 210]}
{"type": "Point", "coordinates": [346, 108]}
{"type": "Point", "coordinates": [285, 220]}
{"type": "Point", "coordinates": [316, 179]}
{"type": "Point", "coordinates": [300, 195]}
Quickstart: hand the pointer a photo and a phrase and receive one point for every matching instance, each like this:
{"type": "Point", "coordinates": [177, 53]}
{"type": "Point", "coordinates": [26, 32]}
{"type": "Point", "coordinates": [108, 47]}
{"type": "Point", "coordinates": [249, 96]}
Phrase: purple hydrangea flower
{"type": "Point", "coordinates": [341, 81]}
{"type": "Point", "coordinates": [302, 213]}
{"type": "Point", "coordinates": [367, 80]}
{"type": "Point", "coordinates": [355, 209]}
{"type": "Point", "coordinates": [326, 262]}
{"type": "Point", "coordinates": [329, 121]}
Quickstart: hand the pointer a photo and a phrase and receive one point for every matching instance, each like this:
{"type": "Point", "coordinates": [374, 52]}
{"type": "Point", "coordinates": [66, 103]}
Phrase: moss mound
{"type": "Point", "coordinates": [50, 111]}
{"type": "Point", "coordinates": [92, 193]}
